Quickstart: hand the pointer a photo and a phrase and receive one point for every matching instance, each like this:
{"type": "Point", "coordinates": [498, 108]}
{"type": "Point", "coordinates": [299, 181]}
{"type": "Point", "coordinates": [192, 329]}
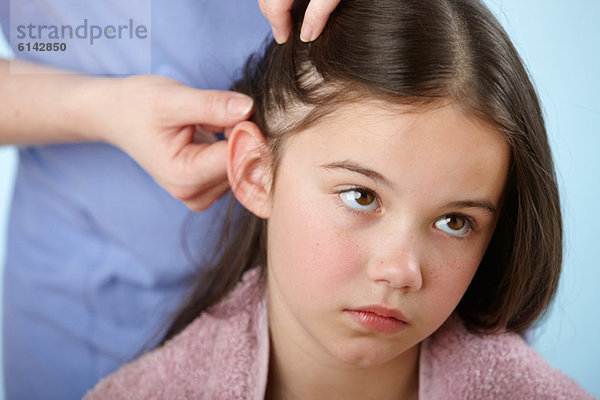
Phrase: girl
{"type": "Point", "coordinates": [404, 224]}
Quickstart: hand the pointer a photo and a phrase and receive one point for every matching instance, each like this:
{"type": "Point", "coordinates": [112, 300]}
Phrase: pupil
{"type": "Point", "coordinates": [456, 223]}
{"type": "Point", "coordinates": [364, 198]}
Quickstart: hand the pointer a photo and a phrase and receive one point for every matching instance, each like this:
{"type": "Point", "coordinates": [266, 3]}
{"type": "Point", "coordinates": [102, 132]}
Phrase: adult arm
{"type": "Point", "coordinates": [162, 124]}
{"type": "Point", "coordinates": [315, 18]}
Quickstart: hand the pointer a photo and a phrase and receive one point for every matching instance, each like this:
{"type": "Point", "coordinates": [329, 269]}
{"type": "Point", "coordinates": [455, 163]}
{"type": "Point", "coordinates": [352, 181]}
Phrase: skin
{"type": "Point", "coordinates": [315, 18]}
{"type": "Point", "coordinates": [325, 257]}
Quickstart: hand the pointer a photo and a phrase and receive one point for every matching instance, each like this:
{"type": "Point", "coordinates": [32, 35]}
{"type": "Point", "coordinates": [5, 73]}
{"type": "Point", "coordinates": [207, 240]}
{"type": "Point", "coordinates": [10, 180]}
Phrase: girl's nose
{"type": "Point", "coordinates": [398, 266]}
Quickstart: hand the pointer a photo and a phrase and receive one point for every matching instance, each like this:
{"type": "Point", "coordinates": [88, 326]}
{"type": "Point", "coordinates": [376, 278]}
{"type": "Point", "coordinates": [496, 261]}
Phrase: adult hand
{"type": "Point", "coordinates": [315, 18]}
{"type": "Point", "coordinates": [164, 125]}
{"type": "Point", "coordinates": [168, 128]}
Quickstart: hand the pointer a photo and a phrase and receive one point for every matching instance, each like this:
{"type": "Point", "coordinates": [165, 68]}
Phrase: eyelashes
{"type": "Point", "coordinates": [361, 201]}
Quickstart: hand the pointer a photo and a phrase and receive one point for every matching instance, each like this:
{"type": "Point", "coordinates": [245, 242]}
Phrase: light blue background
{"type": "Point", "coordinates": [558, 41]}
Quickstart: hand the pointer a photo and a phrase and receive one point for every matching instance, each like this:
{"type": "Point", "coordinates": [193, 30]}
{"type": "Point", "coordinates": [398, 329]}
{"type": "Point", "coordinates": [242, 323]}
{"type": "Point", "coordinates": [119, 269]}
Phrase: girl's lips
{"type": "Point", "coordinates": [379, 319]}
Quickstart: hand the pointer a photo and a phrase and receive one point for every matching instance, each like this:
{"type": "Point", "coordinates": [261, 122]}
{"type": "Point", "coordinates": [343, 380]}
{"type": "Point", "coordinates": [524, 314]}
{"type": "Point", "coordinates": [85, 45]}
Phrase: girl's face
{"type": "Point", "coordinates": [378, 220]}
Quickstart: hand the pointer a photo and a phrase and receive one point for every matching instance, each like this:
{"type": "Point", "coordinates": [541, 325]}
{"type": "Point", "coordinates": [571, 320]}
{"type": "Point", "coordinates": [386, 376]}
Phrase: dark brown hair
{"type": "Point", "coordinates": [419, 52]}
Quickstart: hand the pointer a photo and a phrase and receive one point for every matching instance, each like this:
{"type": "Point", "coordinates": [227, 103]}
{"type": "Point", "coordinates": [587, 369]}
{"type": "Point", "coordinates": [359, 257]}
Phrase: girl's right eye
{"type": "Point", "coordinates": [360, 199]}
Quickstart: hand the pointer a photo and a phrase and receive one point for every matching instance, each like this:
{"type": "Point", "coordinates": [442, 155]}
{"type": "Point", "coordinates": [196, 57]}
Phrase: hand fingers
{"type": "Point", "coordinates": [315, 18]}
{"type": "Point", "coordinates": [198, 166]}
{"type": "Point", "coordinates": [212, 128]}
{"type": "Point", "coordinates": [197, 173]}
{"type": "Point", "coordinates": [201, 135]}
{"type": "Point", "coordinates": [206, 198]}
{"type": "Point", "coordinates": [216, 108]}
{"type": "Point", "coordinates": [278, 14]}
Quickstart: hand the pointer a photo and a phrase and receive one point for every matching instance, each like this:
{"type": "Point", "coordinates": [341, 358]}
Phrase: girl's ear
{"type": "Point", "coordinates": [248, 168]}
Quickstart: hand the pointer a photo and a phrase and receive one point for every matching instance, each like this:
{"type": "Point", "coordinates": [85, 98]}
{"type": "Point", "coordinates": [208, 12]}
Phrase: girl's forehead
{"type": "Point", "coordinates": [440, 149]}
{"type": "Point", "coordinates": [444, 127]}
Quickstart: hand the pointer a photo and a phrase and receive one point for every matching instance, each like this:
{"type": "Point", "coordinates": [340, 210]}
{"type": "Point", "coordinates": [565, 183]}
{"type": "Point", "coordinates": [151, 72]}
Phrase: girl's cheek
{"type": "Point", "coordinates": [310, 237]}
{"type": "Point", "coordinates": [346, 241]}
{"type": "Point", "coordinates": [338, 252]}
{"type": "Point", "coordinates": [448, 278]}
{"type": "Point", "coordinates": [329, 252]}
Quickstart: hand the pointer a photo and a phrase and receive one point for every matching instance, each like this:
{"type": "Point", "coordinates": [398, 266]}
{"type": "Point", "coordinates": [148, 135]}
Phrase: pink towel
{"type": "Point", "coordinates": [224, 354]}
{"type": "Point", "coordinates": [455, 364]}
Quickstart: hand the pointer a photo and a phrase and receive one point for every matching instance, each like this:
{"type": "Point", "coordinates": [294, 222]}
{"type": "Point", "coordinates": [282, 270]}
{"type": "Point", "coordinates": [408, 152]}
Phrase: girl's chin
{"type": "Point", "coordinates": [370, 355]}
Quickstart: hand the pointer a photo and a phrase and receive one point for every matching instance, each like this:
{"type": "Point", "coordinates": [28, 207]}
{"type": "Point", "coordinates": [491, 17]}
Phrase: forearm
{"type": "Point", "coordinates": [44, 105]}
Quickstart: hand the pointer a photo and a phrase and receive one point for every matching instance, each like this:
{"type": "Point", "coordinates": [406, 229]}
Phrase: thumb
{"type": "Point", "coordinates": [211, 107]}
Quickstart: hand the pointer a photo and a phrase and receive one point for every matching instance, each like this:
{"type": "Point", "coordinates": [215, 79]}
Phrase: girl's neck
{"type": "Point", "coordinates": [294, 374]}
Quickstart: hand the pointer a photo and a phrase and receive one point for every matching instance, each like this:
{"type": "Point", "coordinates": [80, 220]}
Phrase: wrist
{"type": "Point", "coordinates": [88, 107]}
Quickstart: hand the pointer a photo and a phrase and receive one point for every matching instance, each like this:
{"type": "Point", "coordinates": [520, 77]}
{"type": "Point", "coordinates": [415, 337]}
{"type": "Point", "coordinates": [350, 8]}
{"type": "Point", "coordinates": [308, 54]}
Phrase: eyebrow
{"type": "Point", "coordinates": [486, 205]}
{"type": "Point", "coordinates": [354, 167]}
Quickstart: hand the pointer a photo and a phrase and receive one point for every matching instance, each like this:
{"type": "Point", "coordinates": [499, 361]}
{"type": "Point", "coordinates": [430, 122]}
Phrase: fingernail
{"type": "Point", "coordinates": [306, 33]}
{"type": "Point", "coordinates": [278, 36]}
{"type": "Point", "coordinates": [239, 105]}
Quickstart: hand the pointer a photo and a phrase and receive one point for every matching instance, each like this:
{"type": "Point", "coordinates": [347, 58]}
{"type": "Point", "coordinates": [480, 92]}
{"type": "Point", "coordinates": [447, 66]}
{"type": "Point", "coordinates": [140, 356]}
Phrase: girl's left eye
{"type": "Point", "coordinates": [456, 225]}
{"type": "Point", "coordinates": [360, 199]}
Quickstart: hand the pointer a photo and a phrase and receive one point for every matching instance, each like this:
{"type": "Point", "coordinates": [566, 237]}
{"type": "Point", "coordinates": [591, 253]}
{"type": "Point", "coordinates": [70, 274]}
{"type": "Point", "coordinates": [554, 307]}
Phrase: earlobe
{"type": "Point", "coordinates": [247, 168]}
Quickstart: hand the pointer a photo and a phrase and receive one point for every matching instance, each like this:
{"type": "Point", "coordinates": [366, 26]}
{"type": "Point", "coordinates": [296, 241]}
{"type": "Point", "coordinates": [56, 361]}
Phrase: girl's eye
{"type": "Point", "coordinates": [360, 199]}
{"type": "Point", "coordinates": [453, 224]}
